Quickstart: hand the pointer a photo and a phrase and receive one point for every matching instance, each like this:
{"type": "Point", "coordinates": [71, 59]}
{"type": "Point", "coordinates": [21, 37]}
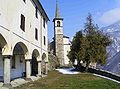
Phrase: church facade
{"type": "Point", "coordinates": [23, 39]}
{"type": "Point", "coordinates": [61, 44]}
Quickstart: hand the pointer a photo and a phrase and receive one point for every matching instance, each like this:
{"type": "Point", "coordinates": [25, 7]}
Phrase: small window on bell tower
{"type": "Point", "coordinates": [58, 23]}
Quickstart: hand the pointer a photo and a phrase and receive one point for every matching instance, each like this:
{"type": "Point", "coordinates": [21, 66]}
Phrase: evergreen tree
{"type": "Point", "coordinates": [90, 45]}
{"type": "Point", "coordinates": [96, 44]}
{"type": "Point", "coordinates": [76, 43]}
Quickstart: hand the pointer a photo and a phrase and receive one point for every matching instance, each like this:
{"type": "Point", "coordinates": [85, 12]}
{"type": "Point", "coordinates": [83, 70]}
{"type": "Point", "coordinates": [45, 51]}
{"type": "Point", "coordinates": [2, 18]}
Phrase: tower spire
{"type": "Point", "coordinates": [57, 15]}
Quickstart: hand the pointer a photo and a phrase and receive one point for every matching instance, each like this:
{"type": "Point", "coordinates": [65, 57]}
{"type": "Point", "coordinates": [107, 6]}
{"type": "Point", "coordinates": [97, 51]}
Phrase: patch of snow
{"type": "Point", "coordinates": [109, 30]}
{"type": "Point", "coordinates": [34, 78]}
{"type": "Point", "coordinates": [18, 82]}
{"type": "Point", "coordinates": [67, 71]}
{"type": "Point", "coordinates": [107, 78]}
{"type": "Point", "coordinates": [118, 50]}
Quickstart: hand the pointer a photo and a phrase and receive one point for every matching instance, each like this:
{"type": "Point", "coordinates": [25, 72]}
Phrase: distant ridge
{"type": "Point", "coordinates": [113, 61]}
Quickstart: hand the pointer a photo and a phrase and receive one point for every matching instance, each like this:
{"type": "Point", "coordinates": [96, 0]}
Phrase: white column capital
{"type": "Point", "coordinates": [27, 60]}
{"type": "Point", "coordinates": [39, 61]}
{"type": "Point", "coordinates": [46, 61]}
{"type": "Point", "coordinates": [7, 56]}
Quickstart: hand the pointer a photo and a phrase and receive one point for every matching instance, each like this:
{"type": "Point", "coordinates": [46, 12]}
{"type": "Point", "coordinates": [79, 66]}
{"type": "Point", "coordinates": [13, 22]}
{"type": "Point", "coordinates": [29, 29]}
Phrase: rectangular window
{"type": "Point", "coordinates": [13, 62]}
{"type": "Point", "coordinates": [44, 22]}
{"type": "Point", "coordinates": [24, 0]}
{"type": "Point", "coordinates": [36, 34]}
{"type": "Point", "coordinates": [22, 25]}
{"type": "Point", "coordinates": [36, 12]}
{"type": "Point", "coordinates": [44, 40]}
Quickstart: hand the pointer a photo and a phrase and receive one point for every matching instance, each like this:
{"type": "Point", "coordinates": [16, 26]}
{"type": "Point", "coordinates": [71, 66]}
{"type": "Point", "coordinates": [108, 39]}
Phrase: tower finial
{"type": "Point", "coordinates": [57, 15]}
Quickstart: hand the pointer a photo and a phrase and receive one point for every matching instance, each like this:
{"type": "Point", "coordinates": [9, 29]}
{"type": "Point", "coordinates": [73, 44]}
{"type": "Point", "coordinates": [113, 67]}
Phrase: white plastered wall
{"type": "Point", "coordinates": [10, 17]}
{"type": "Point", "coordinates": [66, 50]}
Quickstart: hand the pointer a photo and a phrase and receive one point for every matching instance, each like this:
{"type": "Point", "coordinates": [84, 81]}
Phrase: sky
{"type": "Point", "coordinates": [74, 13]}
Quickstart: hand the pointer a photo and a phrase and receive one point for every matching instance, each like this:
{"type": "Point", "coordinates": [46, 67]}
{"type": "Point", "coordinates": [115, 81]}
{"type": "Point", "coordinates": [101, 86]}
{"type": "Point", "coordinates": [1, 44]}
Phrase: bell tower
{"type": "Point", "coordinates": [58, 36]}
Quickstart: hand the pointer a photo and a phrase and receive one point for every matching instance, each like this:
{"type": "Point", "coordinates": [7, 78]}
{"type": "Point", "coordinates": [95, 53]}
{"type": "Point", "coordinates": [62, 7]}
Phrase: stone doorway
{"type": "Point", "coordinates": [34, 66]}
{"type": "Point", "coordinates": [34, 62]}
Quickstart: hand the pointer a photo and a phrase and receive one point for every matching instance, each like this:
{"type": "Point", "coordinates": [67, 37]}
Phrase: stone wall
{"type": "Point", "coordinates": [53, 62]}
{"type": "Point", "coordinates": [105, 73]}
{"type": "Point", "coordinates": [59, 48]}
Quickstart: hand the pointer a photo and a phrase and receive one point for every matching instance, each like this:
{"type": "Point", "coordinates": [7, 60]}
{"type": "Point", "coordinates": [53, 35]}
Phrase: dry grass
{"type": "Point", "coordinates": [56, 80]}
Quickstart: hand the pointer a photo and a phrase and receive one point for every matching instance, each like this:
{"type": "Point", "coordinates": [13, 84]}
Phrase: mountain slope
{"type": "Point", "coordinates": [113, 65]}
{"type": "Point", "coordinates": [113, 61]}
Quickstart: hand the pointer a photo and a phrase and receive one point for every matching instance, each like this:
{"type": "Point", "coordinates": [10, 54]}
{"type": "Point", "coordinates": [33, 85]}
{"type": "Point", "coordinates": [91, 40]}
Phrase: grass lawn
{"type": "Point", "coordinates": [55, 80]}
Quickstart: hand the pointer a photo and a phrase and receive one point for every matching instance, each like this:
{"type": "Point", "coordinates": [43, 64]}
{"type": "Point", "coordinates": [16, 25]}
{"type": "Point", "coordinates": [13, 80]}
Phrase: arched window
{"type": "Point", "coordinates": [58, 23]}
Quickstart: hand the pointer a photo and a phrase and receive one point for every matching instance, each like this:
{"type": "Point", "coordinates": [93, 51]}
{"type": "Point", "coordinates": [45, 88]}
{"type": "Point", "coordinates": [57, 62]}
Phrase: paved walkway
{"type": "Point", "coordinates": [20, 81]}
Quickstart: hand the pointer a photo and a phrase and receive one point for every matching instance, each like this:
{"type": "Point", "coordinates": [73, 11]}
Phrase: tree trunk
{"type": "Point", "coordinates": [78, 63]}
{"type": "Point", "coordinates": [87, 66]}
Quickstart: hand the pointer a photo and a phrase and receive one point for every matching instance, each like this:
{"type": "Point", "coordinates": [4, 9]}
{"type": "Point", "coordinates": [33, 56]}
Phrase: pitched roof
{"type": "Point", "coordinates": [40, 8]}
{"type": "Point", "coordinates": [65, 36]}
{"type": "Point", "coordinates": [57, 13]}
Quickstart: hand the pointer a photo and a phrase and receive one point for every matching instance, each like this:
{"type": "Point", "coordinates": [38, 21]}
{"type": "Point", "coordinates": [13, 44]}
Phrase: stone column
{"type": "Point", "coordinates": [7, 69]}
{"type": "Point", "coordinates": [46, 68]}
{"type": "Point", "coordinates": [39, 68]}
{"type": "Point", "coordinates": [28, 69]}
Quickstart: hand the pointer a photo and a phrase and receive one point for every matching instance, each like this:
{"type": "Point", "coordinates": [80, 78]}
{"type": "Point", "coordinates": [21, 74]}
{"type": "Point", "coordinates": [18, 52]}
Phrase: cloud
{"type": "Point", "coordinates": [110, 16]}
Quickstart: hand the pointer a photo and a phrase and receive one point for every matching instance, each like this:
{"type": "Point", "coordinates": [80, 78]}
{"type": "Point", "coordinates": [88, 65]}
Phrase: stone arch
{"type": "Point", "coordinates": [36, 54]}
{"type": "Point", "coordinates": [44, 56]}
{"type": "Point", "coordinates": [3, 48]}
{"type": "Point", "coordinates": [21, 48]}
{"type": "Point", "coordinates": [20, 52]}
{"type": "Point", "coordinates": [3, 44]}
{"type": "Point", "coordinates": [34, 62]}
{"type": "Point", "coordinates": [43, 67]}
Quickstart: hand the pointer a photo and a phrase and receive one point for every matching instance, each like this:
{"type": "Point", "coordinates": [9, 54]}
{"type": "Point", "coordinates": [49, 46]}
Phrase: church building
{"type": "Point", "coordinates": [23, 39]}
{"type": "Point", "coordinates": [61, 43]}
